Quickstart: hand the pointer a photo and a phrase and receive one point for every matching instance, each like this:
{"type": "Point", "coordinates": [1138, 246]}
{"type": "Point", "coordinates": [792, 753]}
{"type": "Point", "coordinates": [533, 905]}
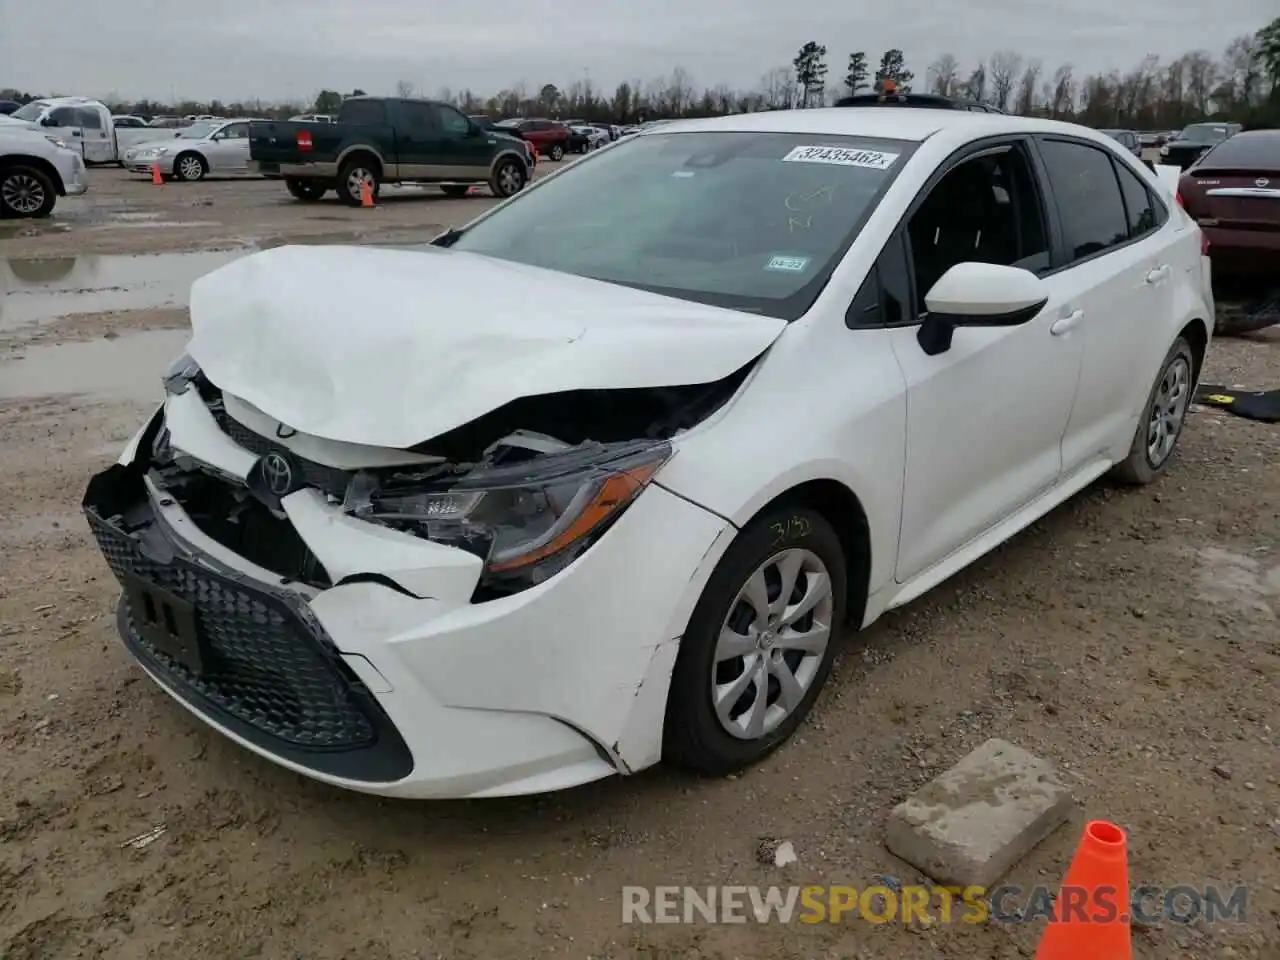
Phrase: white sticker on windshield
{"type": "Point", "coordinates": [842, 157]}
{"type": "Point", "coordinates": [788, 264]}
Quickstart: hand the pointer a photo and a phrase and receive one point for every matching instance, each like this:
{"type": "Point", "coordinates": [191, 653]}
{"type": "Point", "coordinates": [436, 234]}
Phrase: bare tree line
{"type": "Point", "coordinates": [1243, 83]}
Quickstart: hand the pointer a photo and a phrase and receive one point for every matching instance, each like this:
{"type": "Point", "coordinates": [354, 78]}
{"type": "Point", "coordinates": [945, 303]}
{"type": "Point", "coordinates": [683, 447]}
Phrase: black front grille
{"type": "Point", "coordinates": [329, 480]}
{"type": "Point", "coordinates": [270, 673]}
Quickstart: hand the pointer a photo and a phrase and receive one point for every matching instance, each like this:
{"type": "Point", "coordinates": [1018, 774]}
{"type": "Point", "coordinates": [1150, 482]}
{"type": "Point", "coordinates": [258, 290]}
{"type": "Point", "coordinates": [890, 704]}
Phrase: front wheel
{"type": "Point", "coordinates": [508, 179]}
{"type": "Point", "coordinates": [26, 192]}
{"type": "Point", "coordinates": [1162, 418]}
{"type": "Point", "coordinates": [556, 152]}
{"type": "Point", "coordinates": [190, 167]}
{"type": "Point", "coordinates": [306, 190]}
{"type": "Point", "coordinates": [759, 644]}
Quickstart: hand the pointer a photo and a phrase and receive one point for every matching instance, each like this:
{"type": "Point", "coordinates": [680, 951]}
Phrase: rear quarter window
{"type": "Point", "coordinates": [1087, 194]}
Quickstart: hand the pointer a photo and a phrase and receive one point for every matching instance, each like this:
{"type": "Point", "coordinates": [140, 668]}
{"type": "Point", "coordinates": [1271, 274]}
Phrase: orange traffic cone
{"type": "Point", "coordinates": [1091, 916]}
{"type": "Point", "coordinates": [366, 194]}
{"type": "Point", "coordinates": [156, 178]}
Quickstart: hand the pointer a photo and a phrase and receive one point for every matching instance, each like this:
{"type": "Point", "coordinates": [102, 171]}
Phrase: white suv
{"type": "Point", "coordinates": [36, 169]}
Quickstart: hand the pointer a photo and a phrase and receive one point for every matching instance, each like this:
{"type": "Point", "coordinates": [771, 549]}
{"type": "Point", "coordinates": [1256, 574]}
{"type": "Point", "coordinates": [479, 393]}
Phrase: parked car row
{"type": "Point", "coordinates": [90, 128]}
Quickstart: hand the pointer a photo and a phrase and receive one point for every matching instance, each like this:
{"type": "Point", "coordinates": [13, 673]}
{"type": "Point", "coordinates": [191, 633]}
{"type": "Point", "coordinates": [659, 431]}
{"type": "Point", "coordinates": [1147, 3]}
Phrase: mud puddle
{"type": "Point", "coordinates": [43, 290]}
{"type": "Point", "coordinates": [126, 368]}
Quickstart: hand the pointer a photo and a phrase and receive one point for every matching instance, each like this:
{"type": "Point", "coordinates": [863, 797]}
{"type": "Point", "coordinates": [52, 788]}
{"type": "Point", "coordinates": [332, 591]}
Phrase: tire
{"type": "Point", "coordinates": [1169, 399]}
{"type": "Point", "coordinates": [190, 167]}
{"type": "Point", "coordinates": [509, 178]}
{"type": "Point", "coordinates": [455, 191]}
{"type": "Point", "coordinates": [556, 152]}
{"type": "Point", "coordinates": [26, 192]}
{"type": "Point", "coordinates": [349, 177]}
{"type": "Point", "coordinates": [694, 735]}
{"type": "Point", "coordinates": [306, 190]}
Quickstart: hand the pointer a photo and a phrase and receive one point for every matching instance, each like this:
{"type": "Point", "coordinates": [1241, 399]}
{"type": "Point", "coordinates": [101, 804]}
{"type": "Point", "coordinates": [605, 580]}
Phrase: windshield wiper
{"type": "Point", "coordinates": [448, 238]}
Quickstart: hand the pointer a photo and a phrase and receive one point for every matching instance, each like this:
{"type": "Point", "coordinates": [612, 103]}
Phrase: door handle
{"type": "Point", "coordinates": [1066, 324]}
{"type": "Point", "coordinates": [1159, 274]}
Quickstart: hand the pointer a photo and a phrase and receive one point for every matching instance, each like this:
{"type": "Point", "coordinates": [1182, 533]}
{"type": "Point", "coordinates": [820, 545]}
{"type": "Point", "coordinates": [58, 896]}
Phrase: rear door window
{"type": "Point", "coordinates": [1087, 195]}
{"type": "Point", "coordinates": [363, 111]}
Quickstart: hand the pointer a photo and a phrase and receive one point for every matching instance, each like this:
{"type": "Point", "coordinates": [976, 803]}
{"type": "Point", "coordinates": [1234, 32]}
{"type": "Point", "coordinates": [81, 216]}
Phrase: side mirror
{"type": "Point", "coordinates": [979, 295]}
{"type": "Point", "coordinates": [48, 122]}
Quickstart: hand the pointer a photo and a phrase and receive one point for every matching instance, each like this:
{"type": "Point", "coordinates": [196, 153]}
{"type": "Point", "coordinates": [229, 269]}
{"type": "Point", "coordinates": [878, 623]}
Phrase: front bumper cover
{"type": "Point", "coordinates": [271, 675]}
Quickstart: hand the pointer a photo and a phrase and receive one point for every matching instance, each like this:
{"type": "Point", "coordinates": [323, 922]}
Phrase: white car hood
{"type": "Point", "coordinates": [9, 121]}
{"type": "Point", "coordinates": [394, 347]}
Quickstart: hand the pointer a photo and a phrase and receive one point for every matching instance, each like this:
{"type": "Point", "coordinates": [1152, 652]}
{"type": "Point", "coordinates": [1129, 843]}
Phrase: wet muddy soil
{"type": "Point", "coordinates": [1131, 636]}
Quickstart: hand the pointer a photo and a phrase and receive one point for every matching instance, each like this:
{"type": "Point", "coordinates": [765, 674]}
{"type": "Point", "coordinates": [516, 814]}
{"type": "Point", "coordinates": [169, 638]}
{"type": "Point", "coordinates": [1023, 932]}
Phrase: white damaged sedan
{"type": "Point", "coordinates": [596, 479]}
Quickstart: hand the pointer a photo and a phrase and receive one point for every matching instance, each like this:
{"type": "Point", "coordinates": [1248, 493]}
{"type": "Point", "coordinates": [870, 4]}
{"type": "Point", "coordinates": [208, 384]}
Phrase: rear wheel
{"type": "Point", "coordinates": [1162, 418]}
{"type": "Point", "coordinates": [556, 152]}
{"type": "Point", "coordinates": [190, 167]}
{"type": "Point", "coordinates": [26, 192]}
{"type": "Point", "coordinates": [307, 190]}
{"type": "Point", "coordinates": [354, 174]}
{"type": "Point", "coordinates": [759, 644]}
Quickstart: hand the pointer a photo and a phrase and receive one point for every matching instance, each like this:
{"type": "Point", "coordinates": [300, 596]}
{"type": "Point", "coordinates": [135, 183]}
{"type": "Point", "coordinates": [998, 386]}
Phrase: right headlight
{"type": "Point", "coordinates": [528, 520]}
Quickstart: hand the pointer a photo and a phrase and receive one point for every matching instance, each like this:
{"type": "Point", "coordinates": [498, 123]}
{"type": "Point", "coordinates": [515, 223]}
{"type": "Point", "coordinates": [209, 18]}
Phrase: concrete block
{"type": "Point", "coordinates": [969, 825]}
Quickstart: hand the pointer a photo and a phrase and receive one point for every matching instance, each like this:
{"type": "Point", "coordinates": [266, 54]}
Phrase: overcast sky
{"type": "Point", "coordinates": [277, 49]}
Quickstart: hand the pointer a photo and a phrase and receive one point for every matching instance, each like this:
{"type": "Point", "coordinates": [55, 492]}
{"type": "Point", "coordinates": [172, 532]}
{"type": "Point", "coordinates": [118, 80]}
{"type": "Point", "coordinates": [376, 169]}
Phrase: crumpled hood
{"type": "Point", "coordinates": [394, 347]}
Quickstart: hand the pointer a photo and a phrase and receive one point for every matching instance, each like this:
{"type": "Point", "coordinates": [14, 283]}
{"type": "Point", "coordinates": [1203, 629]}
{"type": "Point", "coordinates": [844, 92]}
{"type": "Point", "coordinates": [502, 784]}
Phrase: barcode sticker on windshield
{"type": "Point", "coordinates": [842, 157]}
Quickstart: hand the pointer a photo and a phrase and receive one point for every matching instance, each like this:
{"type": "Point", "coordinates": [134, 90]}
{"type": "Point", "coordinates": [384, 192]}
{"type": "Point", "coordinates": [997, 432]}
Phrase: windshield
{"type": "Point", "coordinates": [198, 131]}
{"type": "Point", "coordinates": [30, 112]}
{"type": "Point", "coordinates": [1203, 133]}
{"type": "Point", "coordinates": [751, 221]}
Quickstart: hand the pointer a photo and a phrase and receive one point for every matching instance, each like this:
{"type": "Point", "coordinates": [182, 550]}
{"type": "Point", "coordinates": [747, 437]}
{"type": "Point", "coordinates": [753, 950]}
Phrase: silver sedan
{"type": "Point", "coordinates": [206, 147]}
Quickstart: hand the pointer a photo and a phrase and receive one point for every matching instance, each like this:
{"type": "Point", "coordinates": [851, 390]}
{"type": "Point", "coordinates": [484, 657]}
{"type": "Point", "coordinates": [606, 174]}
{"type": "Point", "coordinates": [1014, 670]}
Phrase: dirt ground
{"type": "Point", "coordinates": [1131, 636]}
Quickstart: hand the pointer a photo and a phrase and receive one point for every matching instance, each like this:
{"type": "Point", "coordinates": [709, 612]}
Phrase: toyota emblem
{"type": "Point", "coordinates": [1261, 182]}
{"type": "Point", "coordinates": [278, 474]}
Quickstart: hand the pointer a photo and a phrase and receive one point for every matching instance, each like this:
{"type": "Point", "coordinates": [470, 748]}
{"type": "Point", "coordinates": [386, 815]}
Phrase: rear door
{"type": "Point", "coordinates": [1115, 256]}
{"type": "Point", "coordinates": [418, 145]}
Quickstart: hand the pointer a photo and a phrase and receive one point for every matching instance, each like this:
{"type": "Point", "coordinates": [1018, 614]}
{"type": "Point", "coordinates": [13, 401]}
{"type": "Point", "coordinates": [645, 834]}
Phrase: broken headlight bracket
{"type": "Point", "coordinates": [528, 520]}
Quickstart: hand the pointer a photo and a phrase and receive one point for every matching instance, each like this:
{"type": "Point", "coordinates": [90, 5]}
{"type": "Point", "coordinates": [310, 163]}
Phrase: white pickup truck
{"type": "Point", "coordinates": [35, 169]}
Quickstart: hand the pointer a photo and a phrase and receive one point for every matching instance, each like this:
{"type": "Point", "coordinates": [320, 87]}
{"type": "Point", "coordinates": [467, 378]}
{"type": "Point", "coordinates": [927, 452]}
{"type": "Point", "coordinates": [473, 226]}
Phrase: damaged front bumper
{"type": "Point", "coordinates": [388, 677]}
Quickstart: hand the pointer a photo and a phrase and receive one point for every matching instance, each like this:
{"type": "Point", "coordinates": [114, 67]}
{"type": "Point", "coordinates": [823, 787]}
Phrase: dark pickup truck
{"type": "Point", "coordinates": [377, 140]}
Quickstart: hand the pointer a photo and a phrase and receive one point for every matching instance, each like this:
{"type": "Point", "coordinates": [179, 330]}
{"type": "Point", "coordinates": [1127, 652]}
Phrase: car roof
{"type": "Point", "coordinates": [915, 124]}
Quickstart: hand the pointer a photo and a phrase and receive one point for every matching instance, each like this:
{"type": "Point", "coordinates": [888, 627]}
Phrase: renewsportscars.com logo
{"type": "Point", "coordinates": [929, 904]}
